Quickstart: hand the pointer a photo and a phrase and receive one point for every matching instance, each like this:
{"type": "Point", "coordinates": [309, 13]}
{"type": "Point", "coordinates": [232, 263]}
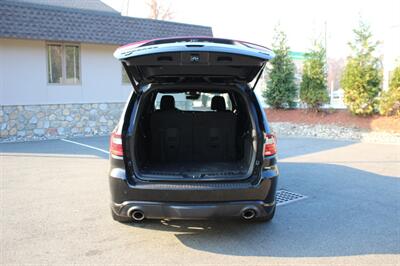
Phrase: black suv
{"type": "Point", "coordinates": [193, 142]}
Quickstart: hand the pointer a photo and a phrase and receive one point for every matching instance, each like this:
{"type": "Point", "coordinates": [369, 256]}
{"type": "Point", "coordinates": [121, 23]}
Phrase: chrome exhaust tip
{"type": "Point", "coordinates": [249, 214]}
{"type": "Point", "coordinates": [137, 215]}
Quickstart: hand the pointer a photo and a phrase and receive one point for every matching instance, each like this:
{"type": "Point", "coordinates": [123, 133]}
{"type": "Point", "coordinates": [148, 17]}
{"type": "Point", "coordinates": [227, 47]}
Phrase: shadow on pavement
{"type": "Point", "coordinates": [347, 212]}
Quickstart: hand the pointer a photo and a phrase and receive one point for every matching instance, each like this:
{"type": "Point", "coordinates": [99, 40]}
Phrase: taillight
{"type": "Point", "coordinates": [269, 144]}
{"type": "Point", "coordinates": [116, 144]}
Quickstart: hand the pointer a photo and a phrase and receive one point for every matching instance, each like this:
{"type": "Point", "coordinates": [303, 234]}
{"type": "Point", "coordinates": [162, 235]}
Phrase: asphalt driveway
{"type": "Point", "coordinates": [55, 210]}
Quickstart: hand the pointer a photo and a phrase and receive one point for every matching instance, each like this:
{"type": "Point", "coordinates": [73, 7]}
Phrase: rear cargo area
{"type": "Point", "coordinates": [195, 169]}
{"type": "Point", "coordinates": [175, 143]}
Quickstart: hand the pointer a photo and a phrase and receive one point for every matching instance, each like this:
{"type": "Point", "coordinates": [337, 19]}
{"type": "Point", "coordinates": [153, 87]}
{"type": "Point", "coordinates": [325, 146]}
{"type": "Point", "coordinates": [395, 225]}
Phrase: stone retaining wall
{"type": "Point", "coordinates": [35, 122]}
{"type": "Point", "coordinates": [327, 131]}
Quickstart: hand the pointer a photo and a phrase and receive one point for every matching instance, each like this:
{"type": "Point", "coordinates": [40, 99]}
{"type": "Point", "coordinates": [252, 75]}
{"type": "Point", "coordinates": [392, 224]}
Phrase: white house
{"type": "Point", "coordinates": [58, 76]}
{"type": "Point", "coordinates": [391, 51]}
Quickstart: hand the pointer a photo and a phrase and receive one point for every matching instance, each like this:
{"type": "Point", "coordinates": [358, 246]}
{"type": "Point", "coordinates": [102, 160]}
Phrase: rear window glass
{"type": "Point", "coordinates": [198, 102]}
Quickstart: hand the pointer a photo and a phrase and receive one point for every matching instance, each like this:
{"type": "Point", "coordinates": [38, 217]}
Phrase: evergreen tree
{"type": "Point", "coordinates": [362, 76]}
{"type": "Point", "coordinates": [390, 100]}
{"type": "Point", "coordinates": [281, 89]}
{"type": "Point", "coordinates": [313, 89]}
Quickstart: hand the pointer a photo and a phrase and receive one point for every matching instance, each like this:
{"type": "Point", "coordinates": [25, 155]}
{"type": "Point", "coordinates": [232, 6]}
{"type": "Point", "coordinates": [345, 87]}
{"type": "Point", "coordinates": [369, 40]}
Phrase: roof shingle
{"type": "Point", "coordinates": [81, 4]}
{"type": "Point", "coordinates": [42, 22]}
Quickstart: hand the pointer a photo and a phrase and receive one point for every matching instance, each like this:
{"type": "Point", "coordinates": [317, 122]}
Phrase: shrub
{"type": "Point", "coordinates": [390, 100]}
{"type": "Point", "coordinates": [313, 89]}
{"type": "Point", "coordinates": [362, 76]}
{"type": "Point", "coordinates": [281, 89]}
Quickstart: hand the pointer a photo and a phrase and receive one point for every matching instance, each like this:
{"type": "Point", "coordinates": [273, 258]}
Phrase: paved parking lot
{"type": "Point", "coordinates": [55, 210]}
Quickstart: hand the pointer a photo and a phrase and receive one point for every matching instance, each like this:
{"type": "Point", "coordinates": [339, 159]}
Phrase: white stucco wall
{"type": "Point", "coordinates": [23, 75]}
{"type": "Point", "coordinates": [391, 52]}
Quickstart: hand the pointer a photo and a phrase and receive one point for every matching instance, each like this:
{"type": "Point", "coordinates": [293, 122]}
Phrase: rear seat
{"type": "Point", "coordinates": [214, 133]}
{"type": "Point", "coordinates": [171, 133]}
{"type": "Point", "coordinates": [179, 136]}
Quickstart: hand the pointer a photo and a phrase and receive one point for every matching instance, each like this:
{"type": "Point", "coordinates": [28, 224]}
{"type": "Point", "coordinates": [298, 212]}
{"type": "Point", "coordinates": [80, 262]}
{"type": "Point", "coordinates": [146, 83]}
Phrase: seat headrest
{"type": "Point", "coordinates": [167, 103]}
{"type": "Point", "coordinates": [218, 103]}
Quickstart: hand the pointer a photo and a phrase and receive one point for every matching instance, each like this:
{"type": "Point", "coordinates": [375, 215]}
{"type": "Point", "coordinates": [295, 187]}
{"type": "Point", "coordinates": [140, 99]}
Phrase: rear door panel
{"type": "Point", "coordinates": [206, 59]}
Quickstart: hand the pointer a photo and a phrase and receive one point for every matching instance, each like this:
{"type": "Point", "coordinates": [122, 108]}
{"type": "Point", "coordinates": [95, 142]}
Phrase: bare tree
{"type": "Point", "coordinates": [335, 69]}
{"type": "Point", "coordinates": [159, 11]}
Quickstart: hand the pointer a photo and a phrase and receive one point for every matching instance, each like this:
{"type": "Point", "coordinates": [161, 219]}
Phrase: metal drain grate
{"type": "Point", "coordinates": [285, 197]}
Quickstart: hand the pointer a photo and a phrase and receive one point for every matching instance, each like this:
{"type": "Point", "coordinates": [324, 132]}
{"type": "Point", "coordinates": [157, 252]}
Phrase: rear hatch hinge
{"type": "Point", "coordinates": [258, 76]}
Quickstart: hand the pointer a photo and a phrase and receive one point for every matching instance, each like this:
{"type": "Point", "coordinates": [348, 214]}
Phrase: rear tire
{"type": "Point", "coordinates": [266, 218]}
{"type": "Point", "coordinates": [120, 219]}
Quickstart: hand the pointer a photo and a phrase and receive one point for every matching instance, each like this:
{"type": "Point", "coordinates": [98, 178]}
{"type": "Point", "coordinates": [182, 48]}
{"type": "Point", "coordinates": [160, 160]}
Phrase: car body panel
{"type": "Point", "coordinates": [182, 58]}
{"type": "Point", "coordinates": [166, 63]}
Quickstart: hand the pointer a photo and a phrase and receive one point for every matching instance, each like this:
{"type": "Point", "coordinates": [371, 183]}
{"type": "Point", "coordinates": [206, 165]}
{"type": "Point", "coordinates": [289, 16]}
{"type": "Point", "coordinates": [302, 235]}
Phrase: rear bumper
{"type": "Point", "coordinates": [194, 200]}
{"type": "Point", "coordinates": [160, 210]}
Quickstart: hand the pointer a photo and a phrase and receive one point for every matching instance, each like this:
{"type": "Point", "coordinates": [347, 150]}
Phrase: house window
{"type": "Point", "coordinates": [125, 78]}
{"type": "Point", "coordinates": [63, 66]}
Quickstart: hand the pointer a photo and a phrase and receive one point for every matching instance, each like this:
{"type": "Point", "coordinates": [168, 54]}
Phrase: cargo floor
{"type": "Point", "coordinates": [192, 168]}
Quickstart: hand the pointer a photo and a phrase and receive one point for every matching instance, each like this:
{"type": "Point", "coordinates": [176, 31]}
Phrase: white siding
{"type": "Point", "coordinates": [23, 75]}
{"type": "Point", "coordinates": [391, 52]}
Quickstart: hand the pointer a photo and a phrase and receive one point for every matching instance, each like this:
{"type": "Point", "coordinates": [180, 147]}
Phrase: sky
{"type": "Point", "coordinates": [254, 20]}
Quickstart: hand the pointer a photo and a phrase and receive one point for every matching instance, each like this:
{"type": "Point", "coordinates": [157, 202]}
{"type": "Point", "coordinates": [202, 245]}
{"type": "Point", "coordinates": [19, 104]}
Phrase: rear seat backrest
{"type": "Point", "coordinates": [170, 133]}
{"type": "Point", "coordinates": [214, 136]}
{"type": "Point", "coordinates": [193, 136]}
{"type": "Point", "coordinates": [216, 132]}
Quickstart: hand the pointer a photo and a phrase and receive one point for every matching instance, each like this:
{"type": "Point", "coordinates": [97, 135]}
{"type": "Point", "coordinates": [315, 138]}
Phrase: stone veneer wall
{"type": "Point", "coordinates": [35, 122]}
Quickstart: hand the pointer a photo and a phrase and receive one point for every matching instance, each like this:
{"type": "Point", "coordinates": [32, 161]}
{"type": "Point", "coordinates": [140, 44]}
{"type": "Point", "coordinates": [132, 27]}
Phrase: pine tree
{"type": "Point", "coordinates": [281, 89]}
{"type": "Point", "coordinates": [313, 89]}
{"type": "Point", "coordinates": [362, 76]}
{"type": "Point", "coordinates": [390, 100]}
